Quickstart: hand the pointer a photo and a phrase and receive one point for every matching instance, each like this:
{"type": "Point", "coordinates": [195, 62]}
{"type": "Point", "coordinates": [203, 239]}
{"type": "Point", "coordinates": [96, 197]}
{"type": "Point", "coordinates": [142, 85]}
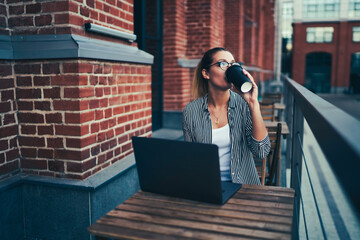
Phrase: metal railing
{"type": "Point", "coordinates": [338, 135]}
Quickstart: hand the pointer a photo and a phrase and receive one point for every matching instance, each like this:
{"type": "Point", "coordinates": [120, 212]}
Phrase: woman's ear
{"type": "Point", "coordinates": [205, 74]}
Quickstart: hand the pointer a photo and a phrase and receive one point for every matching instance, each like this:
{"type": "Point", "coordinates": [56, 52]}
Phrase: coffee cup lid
{"type": "Point", "coordinates": [247, 86]}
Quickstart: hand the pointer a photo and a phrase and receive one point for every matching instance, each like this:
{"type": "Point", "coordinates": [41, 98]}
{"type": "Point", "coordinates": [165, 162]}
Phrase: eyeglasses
{"type": "Point", "coordinates": [224, 65]}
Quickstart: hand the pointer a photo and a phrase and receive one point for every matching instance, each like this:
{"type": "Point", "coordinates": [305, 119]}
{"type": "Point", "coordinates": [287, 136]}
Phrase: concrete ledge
{"type": "Point", "coordinates": [68, 46]}
{"type": "Point", "coordinates": [172, 120]}
{"type": "Point", "coordinates": [34, 207]}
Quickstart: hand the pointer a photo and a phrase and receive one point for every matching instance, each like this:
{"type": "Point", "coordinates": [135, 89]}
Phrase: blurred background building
{"type": "Point", "coordinates": [326, 44]}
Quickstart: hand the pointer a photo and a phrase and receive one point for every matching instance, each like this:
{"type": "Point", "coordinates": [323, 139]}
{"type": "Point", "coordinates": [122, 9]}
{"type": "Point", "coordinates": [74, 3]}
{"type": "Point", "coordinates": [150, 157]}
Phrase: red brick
{"type": "Point", "coordinates": [55, 142]}
{"type": "Point", "coordinates": [94, 104]}
{"type": "Point", "coordinates": [9, 118]}
{"type": "Point", "coordinates": [79, 117]}
{"type": "Point", "coordinates": [28, 93]}
{"type": "Point", "coordinates": [5, 70]}
{"type": "Point", "coordinates": [28, 129]}
{"type": "Point", "coordinates": [44, 105]}
{"type": "Point", "coordinates": [46, 153]}
{"type": "Point", "coordinates": [108, 113]}
{"type": "Point", "coordinates": [104, 125]}
{"type": "Point", "coordinates": [85, 67]}
{"type": "Point", "coordinates": [33, 164]}
{"type": "Point", "coordinates": [101, 137]}
{"type": "Point", "coordinates": [7, 95]}
{"type": "Point", "coordinates": [20, 22]}
{"type": "Point", "coordinates": [57, 166]}
{"type": "Point", "coordinates": [25, 105]}
{"type": "Point", "coordinates": [12, 154]}
{"type": "Point", "coordinates": [33, 8]}
{"type": "Point", "coordinates": [71, 67]}
{"type": "Point", "coordinates": [52, 93]}
{"type": "Point", "coordinates": [66, 105]}
{"type": "Point", "coordinates": [15, 10]}
{"type": "Point", "coordinates": [61, 18]}
{"type": "Point", "coordinates": [51, 68]}
{"type": "Point", "coordinates": [23, 81]}
{"type": "Point", "coordinates": [95, 127]}
{"type": "Point", "coordinates": [41, 81]}
{"type": "Point", "coordinates": [7, 131]}
{"type": "Point", "coordinates": [31, 118]}
{"type": "Point", "coordinates": [9, 167]}
{"type": "Point", "coordinates": [6, 83]}
{"type": "Point", "coordinates": [78, 92]}
{"type": "Point", "coordinates": [58, 6]}
{"type": "Point", "coordinates": [31, 141]}
{"type": "Point", "coordinates": [45, 130]}
{"type": "Point", "coordinates": [80, 143]}
{"type": "Point", "coordinates": [27, 68]}
{"type": "Point", "coordinates": [4, 145]}
{"type": "Point", "coordinates": [53, 118]}
{"type": "Point", "coordinates": [28, 152]}
{"type": "Point", "coordinates": [65, 80]}
{"type": "Point", "coordinates": [72, 154]}
{"type": "Point", "coordinates": [90, 3]}
{"type": "Point", "coordinates": [69, 130]}
{"type": "Point", "coordinates": [84, 11]}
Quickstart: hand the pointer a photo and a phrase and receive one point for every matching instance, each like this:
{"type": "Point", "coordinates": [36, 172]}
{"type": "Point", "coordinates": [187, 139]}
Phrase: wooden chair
{"type": "Point", "coordinates": [272, 97]}
{"type": "Point", "coordinates": [267, 111]}
{"type": "Point", "coordinates": [267, 167]}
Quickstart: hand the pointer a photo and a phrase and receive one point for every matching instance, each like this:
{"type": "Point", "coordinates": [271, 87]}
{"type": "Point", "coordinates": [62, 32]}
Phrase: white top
{"type": "Point", "coordinates": [221, 138]}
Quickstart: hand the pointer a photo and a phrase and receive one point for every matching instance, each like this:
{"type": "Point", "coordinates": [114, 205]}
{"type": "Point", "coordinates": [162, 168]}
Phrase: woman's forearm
{"type": "Point", "coordinates": [259, 129]}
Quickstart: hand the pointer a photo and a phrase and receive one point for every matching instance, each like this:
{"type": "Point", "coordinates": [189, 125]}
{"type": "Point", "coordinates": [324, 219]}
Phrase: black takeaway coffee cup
{"type": "Point", "coordinates": [234, 74]}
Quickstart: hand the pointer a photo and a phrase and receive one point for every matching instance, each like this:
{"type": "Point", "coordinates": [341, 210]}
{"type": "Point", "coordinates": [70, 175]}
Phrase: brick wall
{"type": "Point", "coordinates": [234, 28]}
{"type": "Point", "coordinates": [78, 116]}
{"type": "Point", "coordinates": [67, 16]}
{"type": "Point", "coordinates": [176, 79]}
{"type": "Point", "coordinates": [69, 118]}
{"type": "Point", "coordinates": [245, 27]}
{"type": "Point", "coordinates": [9, 151]}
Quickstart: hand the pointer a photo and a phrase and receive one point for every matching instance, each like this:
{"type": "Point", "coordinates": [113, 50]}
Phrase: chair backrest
{"type": "Point", "coordinates": [268, 166]}
{"type": "Point", "coordinates": [274, 156]}
{"type": "Point", "coordinates": [272, 97]}
{"type": "Point", "coordinates": [267, 111]}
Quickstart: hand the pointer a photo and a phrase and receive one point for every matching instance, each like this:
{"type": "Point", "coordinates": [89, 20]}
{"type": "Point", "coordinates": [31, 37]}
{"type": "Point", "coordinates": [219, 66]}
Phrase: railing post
{"type": "Point", "coordinates": [289, 101]}
{"type": "Point", "coordinates": [296, 164]}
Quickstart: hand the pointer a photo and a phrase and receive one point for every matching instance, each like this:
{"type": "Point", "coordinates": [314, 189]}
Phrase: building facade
{"type": "Point", "coordinates": [326, 45]}
{"type": "Point", "coordinates": [78, 79]}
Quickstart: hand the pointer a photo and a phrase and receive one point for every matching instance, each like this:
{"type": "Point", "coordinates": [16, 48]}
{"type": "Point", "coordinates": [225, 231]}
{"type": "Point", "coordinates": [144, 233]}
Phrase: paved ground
{"type": "Point", "coordinates": [350, 103]}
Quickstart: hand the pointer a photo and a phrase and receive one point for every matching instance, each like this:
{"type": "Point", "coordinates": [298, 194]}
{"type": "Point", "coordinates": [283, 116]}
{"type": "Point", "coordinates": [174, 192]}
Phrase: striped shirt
{"type": "Point", "coordinates": [197, 128]}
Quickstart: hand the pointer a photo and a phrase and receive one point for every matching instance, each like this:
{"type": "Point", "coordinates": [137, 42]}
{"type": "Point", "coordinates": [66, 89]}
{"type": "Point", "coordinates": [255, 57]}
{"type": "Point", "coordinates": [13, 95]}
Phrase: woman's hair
{"type": "Point", "coordinates": [199, 84]}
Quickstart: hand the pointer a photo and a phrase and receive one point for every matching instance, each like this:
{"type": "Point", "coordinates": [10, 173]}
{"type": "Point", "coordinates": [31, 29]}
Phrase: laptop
{"type": "Point", "coordinates": [181, 169]}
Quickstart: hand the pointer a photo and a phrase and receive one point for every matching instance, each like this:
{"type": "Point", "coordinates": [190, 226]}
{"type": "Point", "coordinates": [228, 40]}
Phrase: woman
{"type": "Point", "coordinates": [223, 117]}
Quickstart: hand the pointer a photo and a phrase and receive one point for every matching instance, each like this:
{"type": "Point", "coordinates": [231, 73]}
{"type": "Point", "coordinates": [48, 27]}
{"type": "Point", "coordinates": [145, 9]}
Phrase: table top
{"type": "Point", "coordinates": [279, 106]}
{"type": "Point", "coordinates": [284, 126]}
{"type": "Point", "coordinates": [263, 212]}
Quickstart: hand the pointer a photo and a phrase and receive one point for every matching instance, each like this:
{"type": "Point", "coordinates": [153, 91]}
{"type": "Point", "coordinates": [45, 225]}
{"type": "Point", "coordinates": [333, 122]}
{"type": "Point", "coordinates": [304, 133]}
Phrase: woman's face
{"type": "Point", "coordinates": [215, 75]}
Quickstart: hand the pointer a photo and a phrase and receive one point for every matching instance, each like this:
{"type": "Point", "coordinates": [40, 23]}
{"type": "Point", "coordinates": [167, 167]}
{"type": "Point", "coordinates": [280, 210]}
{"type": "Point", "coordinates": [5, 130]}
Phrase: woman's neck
{"type": "Point", "coordinates": [218, 99]}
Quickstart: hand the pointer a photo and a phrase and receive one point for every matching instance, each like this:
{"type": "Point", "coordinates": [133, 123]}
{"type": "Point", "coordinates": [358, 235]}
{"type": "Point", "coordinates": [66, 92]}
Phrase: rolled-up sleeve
{"type": "Point", "coordinates": [259, 148]}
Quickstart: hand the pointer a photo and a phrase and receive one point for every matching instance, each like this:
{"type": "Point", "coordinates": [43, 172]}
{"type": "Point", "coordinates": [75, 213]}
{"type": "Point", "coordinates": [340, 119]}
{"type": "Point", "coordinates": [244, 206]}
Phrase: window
{"type": "Point", "coordinates": [356, 34]}
{"type": "Point", "coordinates": [321, 9]}
{"type": "Point", "coordinates": [354, 8]}
{"type": "Point", "coordinates": [319, 34]}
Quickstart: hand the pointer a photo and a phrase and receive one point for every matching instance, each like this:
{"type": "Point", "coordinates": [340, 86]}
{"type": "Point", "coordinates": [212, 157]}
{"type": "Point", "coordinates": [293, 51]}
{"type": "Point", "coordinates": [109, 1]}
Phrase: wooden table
{"type": "Point", "coordinates": [261, 212]}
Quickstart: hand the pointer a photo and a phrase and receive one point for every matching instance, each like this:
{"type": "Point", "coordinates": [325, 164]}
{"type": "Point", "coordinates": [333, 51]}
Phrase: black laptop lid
{"type": "Point", "coordinates": [179, 169]}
